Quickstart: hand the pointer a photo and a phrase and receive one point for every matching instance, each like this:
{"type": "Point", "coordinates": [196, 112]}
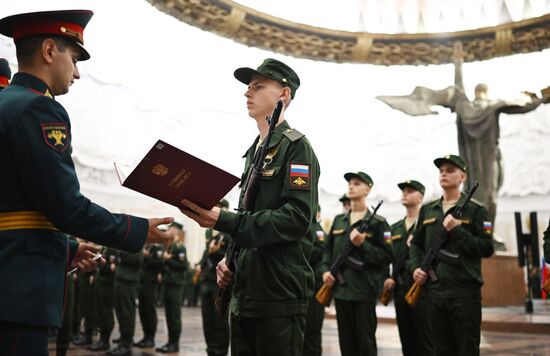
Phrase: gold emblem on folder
{"type": "Point", "coordinates": [160, 170]}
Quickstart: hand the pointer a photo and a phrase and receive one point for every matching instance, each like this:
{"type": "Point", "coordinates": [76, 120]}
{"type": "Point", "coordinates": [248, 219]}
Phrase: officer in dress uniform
{"type": "Point", "coordinates": [274, 282]}
{"type": "Point", "coordinates": [455, 298]}
{"type": "Point", "coordinates": [40, 197]}
{"type": "Point", "coordinates": [5, 73]}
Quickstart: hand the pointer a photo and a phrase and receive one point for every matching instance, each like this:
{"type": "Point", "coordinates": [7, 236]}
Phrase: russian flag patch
{"type": "Point", "coordinates": [299, 176]}
{"type": "Point", "coordinates": [487, 227]}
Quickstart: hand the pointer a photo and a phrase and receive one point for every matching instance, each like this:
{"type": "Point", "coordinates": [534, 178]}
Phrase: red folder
{"type": "Point", "coordinates": [170, 175]}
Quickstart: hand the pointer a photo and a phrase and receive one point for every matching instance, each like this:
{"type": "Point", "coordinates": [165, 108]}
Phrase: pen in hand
{"type": "Point", "coordinates": [95, 258]}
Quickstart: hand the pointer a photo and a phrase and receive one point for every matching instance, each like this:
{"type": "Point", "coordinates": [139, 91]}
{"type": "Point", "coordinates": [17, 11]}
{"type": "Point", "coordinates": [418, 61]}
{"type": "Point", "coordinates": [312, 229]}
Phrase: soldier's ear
{"type": "Point", "coordinates": [47, 50]}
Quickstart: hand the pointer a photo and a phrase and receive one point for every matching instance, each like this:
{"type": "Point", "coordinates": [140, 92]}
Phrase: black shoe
{"type": "Point", "coordinates": [120, 350]}
{"type": "Point", "coordinates": [169, 347]}
{"type": "Point", "coordinates": [101, 345]}
{"type": "Point", "coordinates": [144, 343]}
{"type": "Point", "coordinates": [82, 339]}
{"type": "Point", "coordinates": [61, 352]}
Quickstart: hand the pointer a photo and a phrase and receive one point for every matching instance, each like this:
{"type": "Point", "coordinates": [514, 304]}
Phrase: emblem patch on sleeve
{"type": "Point", "coordinates": [487, 227]}
{"type": "Point", "coordinates": [299, 176]}
{"type": "Point", "coordinates": [387, 237]}
{"type": "Point", "coordinates": [56, 136]}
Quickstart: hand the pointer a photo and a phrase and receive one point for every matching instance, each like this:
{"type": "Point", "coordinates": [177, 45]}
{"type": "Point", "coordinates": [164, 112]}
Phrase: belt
{"type": "Point", "coordinates": [17, 220]}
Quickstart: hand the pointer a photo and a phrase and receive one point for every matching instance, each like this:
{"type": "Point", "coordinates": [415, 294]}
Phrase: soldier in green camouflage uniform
{"type": "Point", "coordinates": [126, 285]}
{"type": "Point", "coordinates": [455, 299]}
{"type": "Point", "coordinates": [356, 299]}
{"type": "Point", "coordinates": [273, 283]}
{"type": "Point", "coordinates": [413, 323]}
{"type": "Point", "coordinates": [87, 307]}
{"type": "Point", "coordinates": [315, 311]}
{"type": "Point", "coordinates": [151, 276]}
{"type": "Point", "coordinates": [175, 268]}
{"type": "Point", "coordinates": [104, 296]}
{"type": "Point", "coordinates": [215, 327]}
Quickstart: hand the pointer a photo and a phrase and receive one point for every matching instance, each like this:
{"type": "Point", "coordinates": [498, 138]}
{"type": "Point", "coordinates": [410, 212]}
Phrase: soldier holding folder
{"type": "Point", "coordinates": [273, 282]}
{"type": "Point", "coordinates": [40, 197]}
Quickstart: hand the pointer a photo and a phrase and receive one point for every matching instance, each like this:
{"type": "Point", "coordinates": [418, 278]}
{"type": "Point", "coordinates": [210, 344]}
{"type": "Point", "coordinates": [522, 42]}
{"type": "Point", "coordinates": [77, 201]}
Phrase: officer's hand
{"type": "Point", "coordinates": [112, 267]}
{"type": "Point", "coordinates": [198, 268]}
{"type": "Point", "coordinates": [83, 257]}
{"type": "Point", "coordinates": [205, 218]}
{"type": "Point", "coordinates": [154, 234]}
{"type": "Point", "coordinates": [389, 284]}
{"type": "Point", "coordinates": [159, 277]}
{"type": "Point", "coordinates": [450, 222]}
{"type": "Point", "coordinates": [91, 280]}
{"type": "Point", "coordinates": [356, 237]}
{"type": "Point", "coordinates": [420, 276]}
{"type": "Point", "coordinates": [224, 277]}
{"type": "Point", "coordinates": [166, 256]}
{"type": "Point", "coordinates": [329, 279]}
{"type": "Point", "coordinates": [146, 252]}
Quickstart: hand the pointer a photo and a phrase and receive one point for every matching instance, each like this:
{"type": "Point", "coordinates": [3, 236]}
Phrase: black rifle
{"type": "Point", "coordinates": [247, 204]}
{"type": "Point", "coordinates": [436, 251]}
{"type": "Point", "coordinates": [324, 295]}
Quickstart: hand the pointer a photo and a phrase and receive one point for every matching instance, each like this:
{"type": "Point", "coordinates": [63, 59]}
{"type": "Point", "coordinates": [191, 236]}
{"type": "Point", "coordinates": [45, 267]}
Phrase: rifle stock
{"type": "Point", "coordinates": [413, 294]}
{"type": "Point", "coordinates": [324, 295]}
{"type": "Point", "coordinates": [386, 297]}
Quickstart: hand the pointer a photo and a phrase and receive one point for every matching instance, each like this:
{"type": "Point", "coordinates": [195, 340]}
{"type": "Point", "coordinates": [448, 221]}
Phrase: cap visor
{"type": "Point", "coordinates": [349, 176]}
{"type": "Point", "coordinates": [245, 74]}
{"type": "Point", "coordinates": [439, 161]}
{"type": "Point", "coordinates": [84, 55]}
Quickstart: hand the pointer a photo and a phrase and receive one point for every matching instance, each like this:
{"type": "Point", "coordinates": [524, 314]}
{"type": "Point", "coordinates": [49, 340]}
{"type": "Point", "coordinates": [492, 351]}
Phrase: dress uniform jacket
{"type": "Point", "coordinates": [273, 276]}
{"type": "Point", "coordinates": [472, 240]}
{"type": "Point", "coordinates": [40, 194]}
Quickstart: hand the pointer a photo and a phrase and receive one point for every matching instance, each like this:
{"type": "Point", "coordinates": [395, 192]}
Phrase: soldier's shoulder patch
{"type": "Point", "coordinates": [487, 228]}
{"type": "Point", "coordinates": [300, 176]}
{"type": "Point", "coordinates": [56, 136]}
{"type": "Point", "coordinates": [320, 235]}
{"type": "Point", "coordinates": [293, 135]}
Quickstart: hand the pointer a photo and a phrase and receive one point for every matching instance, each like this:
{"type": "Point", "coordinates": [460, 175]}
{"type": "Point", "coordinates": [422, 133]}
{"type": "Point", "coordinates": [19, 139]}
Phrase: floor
{"type": "Point", "coordinates": [192, 343]}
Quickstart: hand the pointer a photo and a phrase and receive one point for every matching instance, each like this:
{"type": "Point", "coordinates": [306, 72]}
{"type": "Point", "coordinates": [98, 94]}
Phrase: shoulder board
{"type": "Point", "coordinates": [293, 135]}
{"type": "Point", "coordinates": [476, 202]}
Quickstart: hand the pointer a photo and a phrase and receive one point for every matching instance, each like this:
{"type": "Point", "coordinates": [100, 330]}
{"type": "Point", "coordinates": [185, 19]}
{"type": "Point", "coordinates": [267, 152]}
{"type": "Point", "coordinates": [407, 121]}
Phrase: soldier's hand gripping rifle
{"type": "Point", "coordinates": [247, 204]}
{"type": "Point", "coordinates": [435, 252]}
{"type": "Point", "coordinates": [324, 295]}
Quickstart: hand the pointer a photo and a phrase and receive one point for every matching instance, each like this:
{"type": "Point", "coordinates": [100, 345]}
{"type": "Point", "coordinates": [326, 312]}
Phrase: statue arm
{"type": "Point", "coordinates": [521, 109]}
{"type": "Point", "coordinates": [458, 59]}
